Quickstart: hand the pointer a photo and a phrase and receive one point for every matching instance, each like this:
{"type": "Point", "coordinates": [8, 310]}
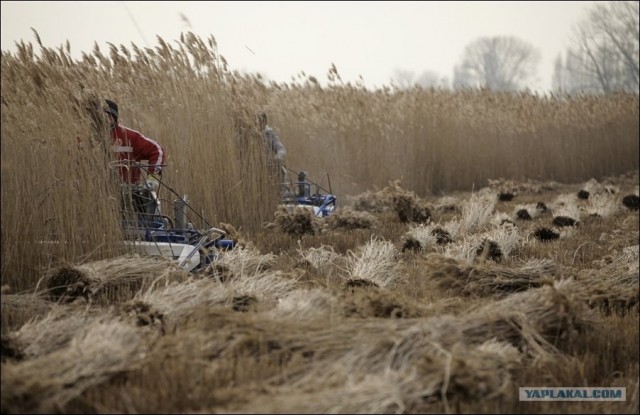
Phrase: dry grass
{"type": "Point", "coordinates": [108, 281]}
{"type": "Point", "coordinates": [398, 303]}
{"type": "Point", "coordinates": [297, 221]}
{"type": "Point", "coordinates": [184, 95]}
{"type": "Point", "coordinates": [96, 352]}
{"type": "Point", "coordinates": [347, 218]}
{"type": "Point", "coordinates": [487, 278]}
{"type": "Point", "coordinates": [374, 262]}
{"type": "Point", "coordinates": [370, 329]}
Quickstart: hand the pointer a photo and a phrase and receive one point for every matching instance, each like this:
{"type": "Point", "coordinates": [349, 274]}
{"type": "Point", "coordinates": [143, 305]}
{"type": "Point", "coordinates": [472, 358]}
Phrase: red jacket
{"type": "Point", "coordinates": [131, 145]}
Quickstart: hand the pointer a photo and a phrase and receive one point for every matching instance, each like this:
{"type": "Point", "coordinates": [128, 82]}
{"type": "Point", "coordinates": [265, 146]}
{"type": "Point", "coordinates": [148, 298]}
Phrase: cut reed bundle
{"type": "Point", "coordinates": [54, 331]}
{"type": "Point", "coordinates": [116, 279]}
{"type": "Point", "coordinates": [305, 305]}
{"type": "Point", "coordinates": [486, 278]}
{"type": "Point", "coordinates": [422, 237]}
{"type": "Point", "coordinates": [348, 218]}
{"type": "Point", "coordinates": [442, 358]}
{"type": "Point", "coordinates": [17, 309]}
{"type": "Point", "coordinates": [297, 221]}
{"type": "Point", "coordinates": [406, 203]}
{"type": "Point", "coordinates": [374, 262]}
{"type": "Point", "coordinates": [179, 300]}
{"type": "Point", "coordinates": [94, 354]}
{"type": "Point", "coordinates": [320, 257]}
{"type": "Point", "coordinates": [616, 286]}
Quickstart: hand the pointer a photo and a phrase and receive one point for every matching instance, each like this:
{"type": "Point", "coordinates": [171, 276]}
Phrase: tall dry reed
{"type": "Point", "coordinates": [60, 201]}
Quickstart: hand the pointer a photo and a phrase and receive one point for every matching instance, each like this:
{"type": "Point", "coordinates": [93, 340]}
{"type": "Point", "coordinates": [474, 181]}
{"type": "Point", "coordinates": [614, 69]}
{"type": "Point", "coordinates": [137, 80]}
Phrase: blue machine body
{"type": "Point", "coordinates": [322, 200]}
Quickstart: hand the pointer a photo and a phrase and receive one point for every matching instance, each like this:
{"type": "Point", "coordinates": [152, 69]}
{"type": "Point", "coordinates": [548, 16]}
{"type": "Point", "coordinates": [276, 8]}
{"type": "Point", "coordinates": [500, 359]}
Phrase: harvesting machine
{"type": "Point", "coordinates": [147, 228]}
{"type": "Point", "coordinates": [299, 194]}
{"type": "Point", "coordinates": [154, 233]}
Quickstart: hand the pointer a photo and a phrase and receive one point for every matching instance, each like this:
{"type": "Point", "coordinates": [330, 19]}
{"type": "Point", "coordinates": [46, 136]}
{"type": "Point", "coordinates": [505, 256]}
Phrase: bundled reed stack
{"type": "Point", "coordinates": [108, 281]}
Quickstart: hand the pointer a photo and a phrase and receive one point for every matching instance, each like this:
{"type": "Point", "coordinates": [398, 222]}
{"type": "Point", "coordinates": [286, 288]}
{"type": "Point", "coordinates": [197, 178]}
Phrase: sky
{"type": "Point", "coordinates": [374, 40]}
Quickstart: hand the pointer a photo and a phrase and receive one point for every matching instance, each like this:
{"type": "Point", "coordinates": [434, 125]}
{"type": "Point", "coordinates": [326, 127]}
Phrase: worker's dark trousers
{"type": "Point", "coordinates": [138, 204]}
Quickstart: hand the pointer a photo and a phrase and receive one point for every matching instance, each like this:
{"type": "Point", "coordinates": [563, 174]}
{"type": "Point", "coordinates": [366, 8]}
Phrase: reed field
{"type": "Point", "coordinates": [482, 242]}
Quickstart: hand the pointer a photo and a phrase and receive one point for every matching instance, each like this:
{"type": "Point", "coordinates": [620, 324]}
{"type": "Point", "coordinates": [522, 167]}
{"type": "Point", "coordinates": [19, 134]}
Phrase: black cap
{"type": "Point", "coordinates": [111, 108]}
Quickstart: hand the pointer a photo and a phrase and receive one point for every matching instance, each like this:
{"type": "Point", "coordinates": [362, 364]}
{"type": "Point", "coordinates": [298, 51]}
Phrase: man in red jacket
{"type": "Point", "coordinates": [131, 145]}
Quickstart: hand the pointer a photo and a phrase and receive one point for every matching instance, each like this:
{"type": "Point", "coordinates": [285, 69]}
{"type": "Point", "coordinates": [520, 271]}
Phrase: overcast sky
{"type": "Point", "coordinates": [281, 39]}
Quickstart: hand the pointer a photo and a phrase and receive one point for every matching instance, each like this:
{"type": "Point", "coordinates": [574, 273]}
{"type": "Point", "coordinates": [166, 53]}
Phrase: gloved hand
{"type": "Point", "coordinates": [152, 183]}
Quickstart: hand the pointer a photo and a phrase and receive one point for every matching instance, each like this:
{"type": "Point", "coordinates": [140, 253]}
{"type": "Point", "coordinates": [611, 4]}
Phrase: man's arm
{"type": "Point", "coordinates": [145, 148]}
{"type": "Point", "coordinates": [276, 145]}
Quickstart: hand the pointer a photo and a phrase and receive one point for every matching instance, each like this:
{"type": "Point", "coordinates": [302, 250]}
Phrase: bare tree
{"type": "Point", "coordinates": [499, 63]}
{"type": "Point", "coordinates": [462, 78]}
{"type": "Point", "coordinates": [431, 79]}
{"type": "Point", "coordinates": [404, 79]}
{"type": "Point", "coordinates": [558, 77]}
{"type": "Point", "coordinates": [605, 51]}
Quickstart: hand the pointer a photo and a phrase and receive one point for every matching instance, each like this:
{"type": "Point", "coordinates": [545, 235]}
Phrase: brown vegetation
{"type": "Point", "coordinates": [308, 328]}
{"type": "Point", "coordinates": [398, 303]}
